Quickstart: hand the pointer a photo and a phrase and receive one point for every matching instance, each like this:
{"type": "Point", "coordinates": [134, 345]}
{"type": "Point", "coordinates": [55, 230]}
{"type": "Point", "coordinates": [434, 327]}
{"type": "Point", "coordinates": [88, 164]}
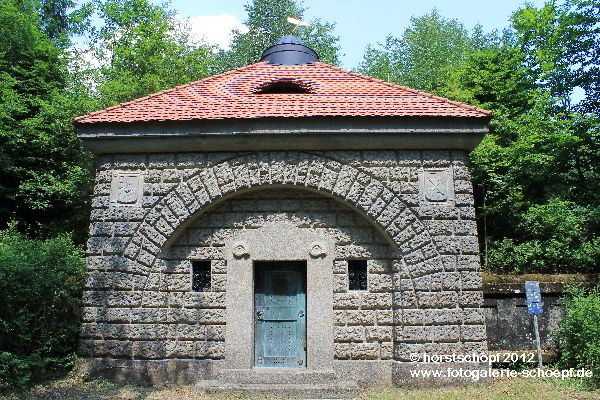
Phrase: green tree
{"type": "Point", "coordinates": [267, 22]}
{"type": "Point", "coordinates": [146, 50]}
{"type": "Point", "coordinates": [538, 167]}
{"type": "Point", "coordinates": [537, 172]}
{"type": "Point", "coordinates": [425, 54]}
{"type": "Point", "coordinates": [45, 170]}
{"type": "Point", "coordinates": [60, 19]}
{"type": "Point", "coordinates": [561, 43]}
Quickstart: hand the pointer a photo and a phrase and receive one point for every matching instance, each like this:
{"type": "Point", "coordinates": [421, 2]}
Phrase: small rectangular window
{"type": "Point", "coordinates": [357, 274]}
{"type": "Point", "coordinates": [200, 276]}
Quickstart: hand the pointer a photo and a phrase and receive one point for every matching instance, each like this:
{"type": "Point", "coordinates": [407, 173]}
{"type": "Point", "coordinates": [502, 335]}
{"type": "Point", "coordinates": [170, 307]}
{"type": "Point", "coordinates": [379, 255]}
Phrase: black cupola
{"type": "Point", "coordinates": [289, 50]}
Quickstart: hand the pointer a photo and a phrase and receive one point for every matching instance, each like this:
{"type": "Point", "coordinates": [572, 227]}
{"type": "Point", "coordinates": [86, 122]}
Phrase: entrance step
{"type": "Point", "coordinates": [276, 376]}
{"type": "Point", "coordinates": [339, 390]}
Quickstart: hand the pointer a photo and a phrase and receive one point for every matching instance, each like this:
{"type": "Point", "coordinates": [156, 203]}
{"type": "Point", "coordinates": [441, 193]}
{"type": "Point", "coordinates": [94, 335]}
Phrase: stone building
{"type": "Point", "coordinates": [288, 221]}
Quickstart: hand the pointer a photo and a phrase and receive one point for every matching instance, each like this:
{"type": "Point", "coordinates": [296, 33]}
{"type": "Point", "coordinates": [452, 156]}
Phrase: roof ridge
{"type": "Point", "coordinates": [164, 91]}
{"type": "Point", "coordinates": [409, 89]}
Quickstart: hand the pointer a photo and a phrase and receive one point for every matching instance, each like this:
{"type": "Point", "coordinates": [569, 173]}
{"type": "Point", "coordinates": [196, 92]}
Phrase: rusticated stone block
{"type": "Point", "coordinates": [203, 300]}
{"type": "Point", "coordinates": [210, 350]}
{"type": "Point", "coordinates": [215, 332]}
{"type": "Point", "coordinates": [473, 315]}
{"type": "Point", "coordinates": [385, 317]}
{"type": "Point", "coordinates": [471, 299]}
{"type": "Point", "coordinates": [451, 281]}
{"type": "Point", "coordinates": [219, 282]}
{"type": "Point", "coordinates": [462, 186]}
{"type": "Point", "coordinates": [349, 334]}
{"type": "Point", "coordinates": [380, 283]}
{"type": "Point", "coordinates": [361, 317]}
{"type": "Point", "coordinates": [340, 283]}
{"type": "Point", "coordinates": [147, 331]}
{"type": "Point", "coordinates": [186, 331]}
{"type": "Point", "coordinates": [379, 333]}
{"type": "Point", "coordinates": [471, 280]}
{"type": "Point", "coordinates": [448, 299]}
{"type": "Point", "coordinates": [154, 299]}
{"type": "Point", "coordinates": [472, 332]}
{"type": "Point", "coordinates": [342, 351]}
{"type": "Point", "coordinates": [365, 351]}
{"type": "Point", "coordinates": [432, 316]}
{"type": "Point", "coordinates": [435, 333]}
{"type": "Point", "coordinates": [387, 350]}
{"type": "Point", "coordinates": [218, 266]}
{"type": "Point", "coordinates": [148, 315]}
{"type": "Point", "coordinates": [468, 263]}
{"type": "Point", "coordinates": [340, 267]}
{"type": "Point", "coordinates": [112, 348]}
{"type": "Point", "coordinates": [378, 266]}
{"type": "Point", "coordinates": [347, 300]}
{"type": "Point", "coordinates": [376, 300]}
{"type": "Point", "coordinates": [340, 317]}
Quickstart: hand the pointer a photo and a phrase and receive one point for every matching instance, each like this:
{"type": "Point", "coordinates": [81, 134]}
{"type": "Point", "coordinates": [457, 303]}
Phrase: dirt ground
{"type": "Point", "coordinates": [75, 388]}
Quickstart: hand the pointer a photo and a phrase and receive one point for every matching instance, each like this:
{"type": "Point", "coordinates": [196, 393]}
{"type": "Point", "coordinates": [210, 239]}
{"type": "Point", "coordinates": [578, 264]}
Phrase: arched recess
{"type": "Point", "coordinates": [364, 193]}
{"type": "Point", "coordinates": [355, 188]}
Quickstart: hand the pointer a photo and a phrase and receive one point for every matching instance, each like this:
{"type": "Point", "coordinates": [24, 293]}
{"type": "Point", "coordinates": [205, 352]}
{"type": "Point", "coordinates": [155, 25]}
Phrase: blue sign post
{"type": "Point", "coordinates": [535, 306]}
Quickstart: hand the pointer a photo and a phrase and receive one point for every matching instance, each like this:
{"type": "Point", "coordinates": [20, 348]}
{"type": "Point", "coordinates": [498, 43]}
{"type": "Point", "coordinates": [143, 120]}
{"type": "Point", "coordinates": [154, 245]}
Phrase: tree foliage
{"type": "Point", "coordinates": [143, 49]}
{"type": "Point", "coordinates": [266, 23]}
{"type": "Point", "coordinates": [45, 171]}
{"type": "Point", "coordinates": [41, 284]}
{"type": "Point", "coordinates": [536, 173]}
{"type": "Point", "coordinates": [579, 332]}
{"type": "Point", "coordinates": [425, 54]}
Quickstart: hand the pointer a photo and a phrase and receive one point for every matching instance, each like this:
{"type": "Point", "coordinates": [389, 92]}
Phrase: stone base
{"type": "Point", "coordinates": [366, 373]}
{"type": "Point", "coordinates": [150, 372]}
{"type": "Point", "coordinates": [276, 376]}
{"type": "Point", "coordinates": [210, 374]}
{"type": "Point", "coordinates": [334, 390]}
{"type": "Point", "coordinates": [419, 374]}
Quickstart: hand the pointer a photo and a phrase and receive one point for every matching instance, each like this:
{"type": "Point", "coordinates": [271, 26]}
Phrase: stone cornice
{"type": "Point", "coordinates": [285, 134]}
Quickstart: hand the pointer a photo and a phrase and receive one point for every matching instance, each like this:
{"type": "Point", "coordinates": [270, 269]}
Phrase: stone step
{"type": "Point", "coordinates": [276, 376]}
{"type": "Point", "coordinates": [339, 390]}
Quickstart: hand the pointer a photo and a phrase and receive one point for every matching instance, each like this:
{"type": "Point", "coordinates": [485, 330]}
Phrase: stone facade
{"type": "Point", "coordinates": [409, 213]}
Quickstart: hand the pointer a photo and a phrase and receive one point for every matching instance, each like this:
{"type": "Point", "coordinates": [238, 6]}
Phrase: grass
{"type": "Point", "coordinates": [74, 388]}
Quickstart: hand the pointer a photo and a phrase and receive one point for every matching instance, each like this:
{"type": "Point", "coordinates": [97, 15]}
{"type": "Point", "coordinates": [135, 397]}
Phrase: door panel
{"type": "Point", "coordinates": [280, 314]}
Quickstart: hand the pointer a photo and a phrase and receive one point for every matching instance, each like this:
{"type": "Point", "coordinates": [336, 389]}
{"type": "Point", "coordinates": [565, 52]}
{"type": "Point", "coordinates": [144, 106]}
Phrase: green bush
{"type": "Point", "coordinates": [579, 332]}
{"type": "Point", "coordinates": [557, 237]}
{"type": "Point", "coordinates": [40, 291]}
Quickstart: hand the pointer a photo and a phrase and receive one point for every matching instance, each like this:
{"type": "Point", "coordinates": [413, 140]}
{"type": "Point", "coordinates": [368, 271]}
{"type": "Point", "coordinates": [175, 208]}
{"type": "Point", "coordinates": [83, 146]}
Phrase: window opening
{"type": "Point", "coordinates": [200, 276]}
{"type": "Point", "coordinates": [357, 274]}
{"type": "Point", "coordinates": [282, 87]}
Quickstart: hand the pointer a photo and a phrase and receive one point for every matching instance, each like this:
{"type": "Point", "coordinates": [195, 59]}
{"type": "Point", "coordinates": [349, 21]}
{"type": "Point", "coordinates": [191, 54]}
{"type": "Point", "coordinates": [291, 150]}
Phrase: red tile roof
{"type": "Point", "coordinates": [333, 92]}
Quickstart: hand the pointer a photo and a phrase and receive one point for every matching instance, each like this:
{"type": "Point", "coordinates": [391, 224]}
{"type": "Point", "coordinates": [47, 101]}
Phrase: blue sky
{"type": "Point", "coordinates": [358, 22]}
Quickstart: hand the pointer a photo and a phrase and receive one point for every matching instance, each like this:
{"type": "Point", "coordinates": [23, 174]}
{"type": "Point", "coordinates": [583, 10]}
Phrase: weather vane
{"type": "Point", "coordinates": [297, 22]}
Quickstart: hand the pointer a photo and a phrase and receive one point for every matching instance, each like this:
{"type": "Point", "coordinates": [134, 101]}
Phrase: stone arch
{"type": "Point", "coordinates": [418, 256]}
{"type": "Point", "coordinates": [342, 181]}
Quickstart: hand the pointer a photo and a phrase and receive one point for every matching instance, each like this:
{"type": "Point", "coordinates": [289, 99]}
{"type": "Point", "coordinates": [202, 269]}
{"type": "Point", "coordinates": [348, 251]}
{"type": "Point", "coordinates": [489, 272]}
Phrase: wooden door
{"type": "Point", "coordinates": [280, 314]}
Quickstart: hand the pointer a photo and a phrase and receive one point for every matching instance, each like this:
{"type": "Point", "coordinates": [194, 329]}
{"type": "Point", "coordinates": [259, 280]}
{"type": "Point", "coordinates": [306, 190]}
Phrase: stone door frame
{"type": "Point", "coordinates": [279, 241]}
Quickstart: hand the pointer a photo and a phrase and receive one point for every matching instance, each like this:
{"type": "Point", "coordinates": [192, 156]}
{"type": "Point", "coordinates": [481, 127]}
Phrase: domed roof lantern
{"type": "Point", "coordinates": [289, 50]}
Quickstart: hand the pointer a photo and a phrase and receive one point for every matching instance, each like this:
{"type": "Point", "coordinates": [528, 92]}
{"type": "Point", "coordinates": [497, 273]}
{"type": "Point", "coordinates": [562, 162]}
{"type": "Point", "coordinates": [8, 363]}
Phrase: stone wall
{"type": "Point", "coordinates": [409, 212]}
{"type": "Point", "coordinates": [509, 326]}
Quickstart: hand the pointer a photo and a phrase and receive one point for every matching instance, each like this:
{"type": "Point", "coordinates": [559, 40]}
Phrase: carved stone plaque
{"type": "Point", "coordinates": [126, 189]}
{"type": "Point", "coordinates": [436, 186]}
